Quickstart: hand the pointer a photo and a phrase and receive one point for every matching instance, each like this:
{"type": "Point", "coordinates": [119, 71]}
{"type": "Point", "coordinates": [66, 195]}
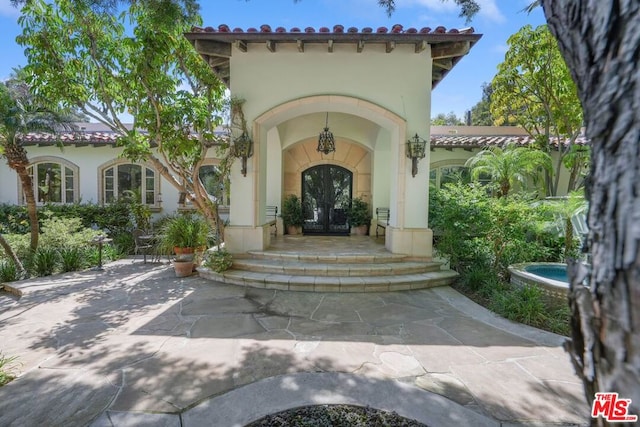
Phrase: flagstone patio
{"type": "Point", "coordinates": [135, 345]}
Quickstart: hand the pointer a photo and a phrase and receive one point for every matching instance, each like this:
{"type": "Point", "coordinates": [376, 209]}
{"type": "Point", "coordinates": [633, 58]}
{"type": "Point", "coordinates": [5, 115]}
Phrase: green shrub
{"type": "Point", "coordinates": [7, 368]}
{"type": "Point", "coordinates": [115, 217]}
{"type": "Point", "coordinates": [184, 231]}
{"type": "Point", "coordinates": [71, 258]}
{"type": "Point", "coordinates": [292, 211]}
{"type": "Point", "coordinates": [218, 261]}
{"type": "Point", "coordinates": [478, 276]}
{"type": "Point", "coordinates": [359, 214]}
{"type": "Point", "coordinates": [8, 271]}
{"type": "Point", "coordinates": [123, 243]}
{"type": "Point", "coordinates": [559, 320]}
{"type": "Point", "coordinates": [524, 305]}
{"type": "Point", "coordinates": [471, 228]}
{"type": "Point", "coordinates": [44, 261]}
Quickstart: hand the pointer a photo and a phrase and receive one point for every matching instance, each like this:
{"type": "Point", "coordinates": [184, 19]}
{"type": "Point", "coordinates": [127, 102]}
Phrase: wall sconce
{"type": "Point", "coordinates": [243, 149]}
{"type": "Point", "coordinates": [326, 142]}
{"type": "Point", "coordinates": [416, 150]}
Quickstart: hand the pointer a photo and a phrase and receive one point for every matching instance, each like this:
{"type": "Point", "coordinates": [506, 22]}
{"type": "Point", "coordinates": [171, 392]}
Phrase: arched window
{"type": "Point", "coordinates": [452, 171]}
{"type": "Point", "coordinates": [447, 171]}
{"type": "Point", "coordinates": [120, 179]}
{"type": "Point", "coordinates": [55, 180]}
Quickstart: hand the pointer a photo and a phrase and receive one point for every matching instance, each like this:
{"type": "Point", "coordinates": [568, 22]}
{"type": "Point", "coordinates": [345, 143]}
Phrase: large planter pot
{"type": "Point", "coordinates": [184, 254]}
{"type": "Point", "coordinates": [293, 229]}
{"type": "Point", "coordinates": [360, 230]}
{"type": "Point", "coordinates": [183, 268]}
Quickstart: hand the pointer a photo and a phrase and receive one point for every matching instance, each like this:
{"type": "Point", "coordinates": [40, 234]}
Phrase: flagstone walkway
{"type": "Point", "coordinates": [134, 345]}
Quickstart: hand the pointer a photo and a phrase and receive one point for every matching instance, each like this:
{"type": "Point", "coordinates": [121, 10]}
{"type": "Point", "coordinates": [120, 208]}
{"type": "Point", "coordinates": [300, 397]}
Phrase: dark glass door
{"type": "Point", "coordinates": [326, 192]}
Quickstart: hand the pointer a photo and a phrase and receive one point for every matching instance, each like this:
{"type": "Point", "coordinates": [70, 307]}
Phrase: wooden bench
{"type": "Point", "coordinates": [272, 212]}
{"type": "Point", "coordinates": [382, 219]}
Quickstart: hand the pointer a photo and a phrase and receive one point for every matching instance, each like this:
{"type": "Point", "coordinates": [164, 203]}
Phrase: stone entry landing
{"type": "Point", "coordinates": [331, 264]}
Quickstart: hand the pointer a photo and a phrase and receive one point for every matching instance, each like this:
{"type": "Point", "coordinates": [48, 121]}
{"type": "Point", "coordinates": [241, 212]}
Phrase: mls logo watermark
{"type": "Point", "coordinates": [612, 408]}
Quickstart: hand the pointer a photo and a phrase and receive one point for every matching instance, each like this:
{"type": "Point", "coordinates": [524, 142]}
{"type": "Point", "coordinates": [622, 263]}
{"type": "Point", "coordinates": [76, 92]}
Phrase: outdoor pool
{"type": "Point", "coordinates": [550, 277]}
{"type": "Point", "coordinates": [549, 271]}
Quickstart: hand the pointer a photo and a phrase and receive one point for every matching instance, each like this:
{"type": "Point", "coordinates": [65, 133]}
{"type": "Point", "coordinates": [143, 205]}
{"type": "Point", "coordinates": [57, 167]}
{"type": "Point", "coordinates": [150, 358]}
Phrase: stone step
{"type": "Point", "coordinates": [299, 268]}
{"type": "Point", "coordinates": [325, 257]}
{"type": "Point", "coordinates": [400, 282]}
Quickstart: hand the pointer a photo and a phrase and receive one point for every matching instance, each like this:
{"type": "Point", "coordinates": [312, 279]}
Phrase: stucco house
{"type": "Point", "coordinates": [370, 88]}
{"type": "Point", "coordinates": [296, 85]}
{"type": "Point", "coordinates": [452, 146]}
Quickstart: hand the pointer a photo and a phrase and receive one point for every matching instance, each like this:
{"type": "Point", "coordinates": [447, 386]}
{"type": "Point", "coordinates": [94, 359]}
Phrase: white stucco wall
{"type": "Point", "coordinates": [399, 83]}
{"type": "Point", "coordinates": [88, 159]}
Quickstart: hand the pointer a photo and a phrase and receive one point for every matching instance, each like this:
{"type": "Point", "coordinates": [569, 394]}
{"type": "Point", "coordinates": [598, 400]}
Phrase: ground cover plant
{"type": "Point", "coordinates": [64, 243]}
{"type": "Point", "coordinates": [482, 236]}
{"type": "Point", "coordinates": [335, 416]}
{"type": "Point", "coordinates": [7, 369]}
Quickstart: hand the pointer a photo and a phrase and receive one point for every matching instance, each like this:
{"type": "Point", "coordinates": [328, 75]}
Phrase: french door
{"type": "Point", "coordinates": [326, 193]}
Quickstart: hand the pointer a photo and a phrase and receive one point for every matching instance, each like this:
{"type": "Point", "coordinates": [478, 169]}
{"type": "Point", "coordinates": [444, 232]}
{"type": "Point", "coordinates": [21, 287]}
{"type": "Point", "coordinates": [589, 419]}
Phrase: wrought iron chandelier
{"type": "Point", "coordinates": [326, 142]}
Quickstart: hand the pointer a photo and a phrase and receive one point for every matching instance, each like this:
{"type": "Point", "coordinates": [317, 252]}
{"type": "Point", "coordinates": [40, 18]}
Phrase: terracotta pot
{"type": "Point", "coordinates": [183, 251]}
{"type": "Point", "coordinates": [293, 229]}
{"type": "Point", "coordinates": [360, 230]}
{"type": "Point", "coordinates": [183, 268]}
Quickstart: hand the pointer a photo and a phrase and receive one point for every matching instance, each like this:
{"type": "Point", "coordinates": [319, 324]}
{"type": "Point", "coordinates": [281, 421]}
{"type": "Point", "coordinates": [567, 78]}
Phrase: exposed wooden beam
{"type": "Point", "coordinates": [330, 46]}
{"type": "Point", "coordinates": [445, 64]}
{"type": "Point", "coordinates": [450, 50]}
{"type": "Point", "coordinates": [300, 46]}
{"type": "Point", "coordinates": [223, 72]}
{"type": "Point", "coordinates": [213, 48]}
{"type": "Point", "coordinates": [390, 46]}
{"type": "Point", "coordinates": [216, 61]}
{"type": "Point", "coordinates": [241, 45]}
{"type": "Point", "coordinates": [360, 47]}
{"type": "Point", "coordinates": [271, 45]}
{"type": "Point", "coordinates": [421, 46]}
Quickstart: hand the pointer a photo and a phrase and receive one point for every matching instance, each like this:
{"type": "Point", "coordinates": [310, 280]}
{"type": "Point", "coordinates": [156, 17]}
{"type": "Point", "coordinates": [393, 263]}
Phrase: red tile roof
{"type": "Point", "coordinates": [71, 138]}
{"type": "Point", "coordinates": [336, 29]}
{"type": "Point", "coordinates": [447, 46]}
{"type": "Point", "coordinates": [484, 141]}
{"type": "Point", "coordinates": [441, 137]}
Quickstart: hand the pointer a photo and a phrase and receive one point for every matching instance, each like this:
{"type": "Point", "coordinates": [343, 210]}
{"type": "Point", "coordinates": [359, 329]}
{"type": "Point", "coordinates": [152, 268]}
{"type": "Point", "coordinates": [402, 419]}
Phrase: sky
{"type": "Point", "coordinates": [460, 90]}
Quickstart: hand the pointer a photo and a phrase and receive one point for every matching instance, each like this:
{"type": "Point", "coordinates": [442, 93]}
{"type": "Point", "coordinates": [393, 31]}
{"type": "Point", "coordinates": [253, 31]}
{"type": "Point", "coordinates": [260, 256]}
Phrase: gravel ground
{"type": "Point", "coordinates": [335, 416]}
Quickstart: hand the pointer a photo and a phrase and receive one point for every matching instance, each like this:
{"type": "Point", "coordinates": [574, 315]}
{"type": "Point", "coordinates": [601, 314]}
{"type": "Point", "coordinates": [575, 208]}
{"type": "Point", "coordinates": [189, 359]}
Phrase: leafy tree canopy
{"type": "Point", "coordinates": [534, 89]}
{"type": "Point", "coordinates": [85, 58]}
{"type": "Point", "coordinates": [508, 167]}
{"type": "Point", "coordinates": [481, 112]}
{"type": "Point", "coordinates": [446, 120]}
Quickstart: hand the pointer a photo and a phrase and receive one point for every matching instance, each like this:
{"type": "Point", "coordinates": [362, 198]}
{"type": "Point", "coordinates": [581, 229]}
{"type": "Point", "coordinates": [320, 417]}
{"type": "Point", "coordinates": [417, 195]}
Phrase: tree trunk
{"type": "Point", "coordinates": [17, 160]}
{"type": "Point", "coordinates": [197, 195]}
{"type": "Point", "coordinates": [601, 43]}
{"type": "Point", "coordinates": [11, 254]}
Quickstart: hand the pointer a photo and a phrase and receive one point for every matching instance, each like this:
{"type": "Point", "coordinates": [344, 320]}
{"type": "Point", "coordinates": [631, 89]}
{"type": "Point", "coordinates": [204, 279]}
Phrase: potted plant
{"type": "Point", "coordinates": [184, 235]}
{"type": "Point", "coordinates": [359, 216]}
{"type": "Point", "coordinates": [292, 213]}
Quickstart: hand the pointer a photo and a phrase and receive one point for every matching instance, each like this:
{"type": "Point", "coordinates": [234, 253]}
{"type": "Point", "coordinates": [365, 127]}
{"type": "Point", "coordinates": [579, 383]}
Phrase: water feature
{"type": "Point", "coordinates": [550, 277]}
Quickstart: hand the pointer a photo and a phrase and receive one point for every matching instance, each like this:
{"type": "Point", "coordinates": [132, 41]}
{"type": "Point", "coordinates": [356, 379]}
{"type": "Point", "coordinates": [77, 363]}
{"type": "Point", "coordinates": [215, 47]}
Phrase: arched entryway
{"type": "Point", "coordinates": [326, 194]}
